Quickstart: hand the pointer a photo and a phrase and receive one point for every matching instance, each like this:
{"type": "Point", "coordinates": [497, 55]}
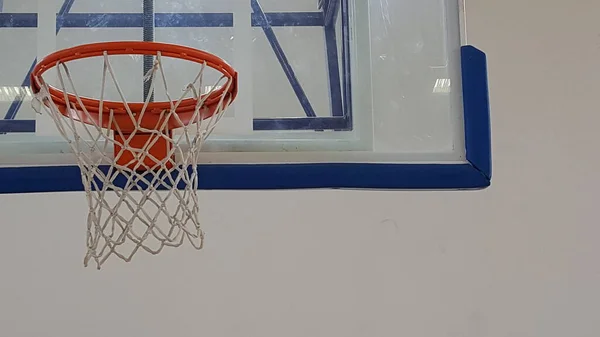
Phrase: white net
{"type": "Point", "coordinates": [137, 201]}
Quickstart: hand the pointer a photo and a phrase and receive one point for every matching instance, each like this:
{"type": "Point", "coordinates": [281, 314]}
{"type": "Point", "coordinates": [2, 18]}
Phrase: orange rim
{"type": "Point", "coordinates": [153, 116]}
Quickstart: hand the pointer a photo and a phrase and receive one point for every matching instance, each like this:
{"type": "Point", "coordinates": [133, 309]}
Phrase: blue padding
{"type": "Point", "coordinates": [286, 176]}
{"type": "Point", "coordinates": [477, 109]}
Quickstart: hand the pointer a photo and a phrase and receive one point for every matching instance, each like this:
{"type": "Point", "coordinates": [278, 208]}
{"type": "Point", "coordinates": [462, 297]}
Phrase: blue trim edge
{"type": "Point", "coordinates": [474, 175]}
{"type": "Point", "coordinates": [476, 104]}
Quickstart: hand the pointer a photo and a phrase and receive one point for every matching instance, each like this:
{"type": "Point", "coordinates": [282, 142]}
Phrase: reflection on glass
{"type": "Point", "coordinates": [9, 94]}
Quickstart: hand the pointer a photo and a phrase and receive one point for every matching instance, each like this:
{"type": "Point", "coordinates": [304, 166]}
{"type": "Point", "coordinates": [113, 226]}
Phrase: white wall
{"type": "Point", "coordinates": [520, 259]}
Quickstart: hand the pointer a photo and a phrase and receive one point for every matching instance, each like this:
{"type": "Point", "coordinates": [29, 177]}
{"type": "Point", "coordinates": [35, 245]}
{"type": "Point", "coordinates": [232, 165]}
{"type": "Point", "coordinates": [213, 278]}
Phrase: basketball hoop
{"type": "Point", "coordinates": [137, 150]}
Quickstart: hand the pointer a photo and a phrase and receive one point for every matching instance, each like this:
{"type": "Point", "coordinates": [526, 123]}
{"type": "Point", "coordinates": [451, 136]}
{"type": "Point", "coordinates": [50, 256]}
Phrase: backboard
{"type": "Point", "coordinates": [333, 93]}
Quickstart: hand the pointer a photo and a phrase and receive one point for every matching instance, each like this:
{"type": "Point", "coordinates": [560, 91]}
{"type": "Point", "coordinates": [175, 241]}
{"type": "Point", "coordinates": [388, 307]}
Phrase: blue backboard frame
{"type": "Point", "coordinates": [476, 173]}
